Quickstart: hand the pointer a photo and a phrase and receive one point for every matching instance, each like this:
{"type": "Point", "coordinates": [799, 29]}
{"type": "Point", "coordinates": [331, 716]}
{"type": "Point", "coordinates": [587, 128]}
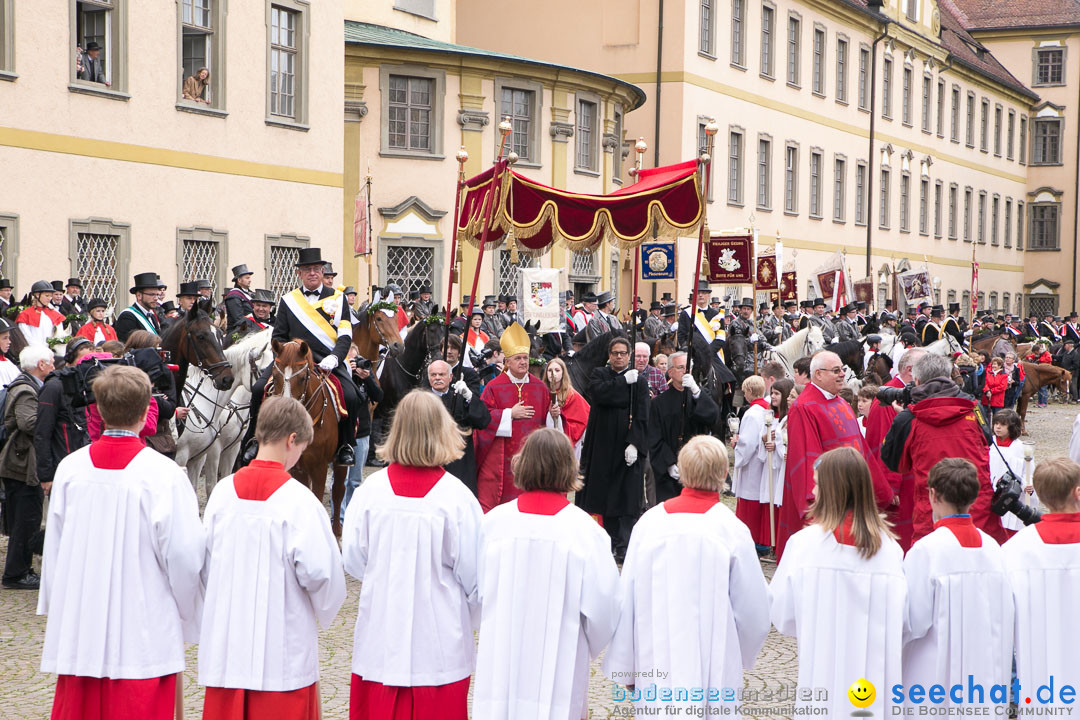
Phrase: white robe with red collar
{"type": "Point", "coordinates": [38, 324]}
{"type": "Point", "coordinates": [539, 629]}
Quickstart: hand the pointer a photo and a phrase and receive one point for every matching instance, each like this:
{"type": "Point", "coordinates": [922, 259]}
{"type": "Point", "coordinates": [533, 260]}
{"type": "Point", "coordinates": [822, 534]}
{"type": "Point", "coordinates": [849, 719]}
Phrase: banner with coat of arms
{"type": "Point", "coordinates": [730, 259]}
{"type": "Point", "coordinates": [658, 261]}
{"type": "Point", "coordinates": [540, 291]}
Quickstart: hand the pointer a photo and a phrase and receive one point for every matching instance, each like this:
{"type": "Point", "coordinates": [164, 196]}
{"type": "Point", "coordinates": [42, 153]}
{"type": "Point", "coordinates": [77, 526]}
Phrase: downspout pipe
{"type": "Point", "coordinates": [870, 156]}
{"type": "Point", "coordinates": [659, 59]}
{"type": "Point", "coordinates": [1076, 216]}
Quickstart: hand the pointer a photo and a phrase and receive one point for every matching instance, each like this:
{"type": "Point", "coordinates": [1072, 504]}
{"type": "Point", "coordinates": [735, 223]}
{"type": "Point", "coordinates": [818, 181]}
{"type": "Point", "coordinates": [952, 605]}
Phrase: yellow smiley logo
{"type": "Point", "coordinates": [861, 693]}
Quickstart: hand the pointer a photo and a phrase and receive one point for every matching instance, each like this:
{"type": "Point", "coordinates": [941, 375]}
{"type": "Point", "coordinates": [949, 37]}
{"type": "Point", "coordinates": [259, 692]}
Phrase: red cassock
{"type": "Point", "coordinates": [91, 698]}
{"type": "Point", "coordinates": [947, 427]}
{"type": "Point", "coordinates": [815, 425]}
{"type": "Point", "coordinates": [575, 416]}
{"type": "Point", "coordinates": [494, 480]}
{"type": "Point", "coordinates": [878, 423]}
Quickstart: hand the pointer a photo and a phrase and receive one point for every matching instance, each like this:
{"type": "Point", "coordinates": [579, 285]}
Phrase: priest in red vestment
{"type": "Point", "coordinates": [878, 423]}
{"type": "Point", "coordinates": [518, 403]}
{"type": "Point", "coordinates": [819, 421]}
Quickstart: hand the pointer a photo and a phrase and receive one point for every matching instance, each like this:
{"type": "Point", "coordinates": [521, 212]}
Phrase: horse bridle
{"type": "Point", "coordinates": [200, 361]}
{"type": "Point", "coordinates": [322, 389]}
{"type": "Point", "coordinates": [378, 330]}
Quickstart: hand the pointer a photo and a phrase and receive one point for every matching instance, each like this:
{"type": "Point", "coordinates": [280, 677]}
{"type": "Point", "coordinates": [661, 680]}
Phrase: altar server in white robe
{"type": "Point", "coordinates": [751, 484]}
{"type": "Point", "coordinates": [548, 592]}
{"type": "Point", "coordinates": [412, 534]}
{"type": "Point", "coordinates": [120, 573]}
{"type": "Point", "coordinates": [960, 607]}
{"type": "Point", "coordinates": [695, 606]}
{"type": "Point", "coordinates": [840, 590]}
{"type": "Point", "coordinates": [1074, 440]}
{"type": "Point", "coordinates": [272, 571]}
{"type": "Point", "coordinates": [1043, 561]}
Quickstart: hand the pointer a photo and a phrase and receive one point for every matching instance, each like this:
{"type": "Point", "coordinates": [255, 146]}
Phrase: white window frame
{"type": "Point", "coordinates": [216, 50]}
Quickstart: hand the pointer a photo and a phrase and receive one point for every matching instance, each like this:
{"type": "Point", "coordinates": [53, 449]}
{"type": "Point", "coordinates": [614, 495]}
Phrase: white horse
{"type": "Point", "coordinates": [216, 421]}
{"type": "Point", "coordinates": [804, 343]}
{"type": "Point", "coordinates": [946, 346]}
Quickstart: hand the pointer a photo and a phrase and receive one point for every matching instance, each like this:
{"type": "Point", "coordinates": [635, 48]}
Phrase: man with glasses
{"type": "Point", "coordinates": [819, 421]}
{"type": "Point", "coordinates": [141, 315]}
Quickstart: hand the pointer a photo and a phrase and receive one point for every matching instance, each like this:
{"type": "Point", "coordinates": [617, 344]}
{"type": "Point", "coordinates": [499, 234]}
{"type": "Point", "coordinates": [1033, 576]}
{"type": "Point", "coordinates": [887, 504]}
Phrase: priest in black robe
{"type": "Point", "coordinates": [468, 411]}
{"type": "Point", "coordinates": [613, 456]}
{"type": "Point", "coordinates": [676, 415]}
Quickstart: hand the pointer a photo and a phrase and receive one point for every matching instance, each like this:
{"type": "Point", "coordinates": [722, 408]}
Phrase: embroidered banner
{"type": "Point", "coordinates": [658, 261]}
{"type": "Point", "coordinates": [766, 276]}
{"type": "Point", "coordinates": [541, 290]}
{"type": "Point", "coordinates": [789, 286]}
{"type": "Point", "coordinates": [916, 286]}
{"type": "Point", "coordinates": [730, 259]}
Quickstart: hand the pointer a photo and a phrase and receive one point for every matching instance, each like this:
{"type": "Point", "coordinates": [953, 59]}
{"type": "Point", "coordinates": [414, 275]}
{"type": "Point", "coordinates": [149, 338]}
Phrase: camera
{"type": "Point", "coordinates": [889, 395]}
{"type": "Point", "coordinates": [361, 363]}
{"type": "Point", "coordinates": [77, 380]}
{"type": "Point", "coordinates": [1007, 494]}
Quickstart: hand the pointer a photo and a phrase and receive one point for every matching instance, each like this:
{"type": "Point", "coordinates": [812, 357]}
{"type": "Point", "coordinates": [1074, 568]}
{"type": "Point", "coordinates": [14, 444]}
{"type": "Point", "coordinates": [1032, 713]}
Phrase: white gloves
{"type": "Point", "coordinates": [328, 363]}
{"type": "Point", "coordinates": [631, 378]}
{"type": "Point", "coordinates": [630, 455]}
{"type": "Point", "coordinates": [673, 472]}
{"type": "Point", "coordinates": [755, 338]}
{"type": "Point", "coordinates": [691, 384]}
{"type": "Point", "coordinates": [463, 390]}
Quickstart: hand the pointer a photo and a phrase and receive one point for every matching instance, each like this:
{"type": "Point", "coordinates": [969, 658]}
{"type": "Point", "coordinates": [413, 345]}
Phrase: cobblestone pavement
{"type": "Point", "coordinates": [26, 693]}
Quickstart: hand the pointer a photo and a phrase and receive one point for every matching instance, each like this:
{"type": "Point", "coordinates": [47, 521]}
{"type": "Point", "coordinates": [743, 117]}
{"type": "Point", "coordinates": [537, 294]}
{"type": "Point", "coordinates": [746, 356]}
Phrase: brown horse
{"type": "Point", "coordinates": [375, 328]}
{"type": "Point", "coordinates": [295, 374]}
{"type": "Point", "coordinates": [1038, 375]}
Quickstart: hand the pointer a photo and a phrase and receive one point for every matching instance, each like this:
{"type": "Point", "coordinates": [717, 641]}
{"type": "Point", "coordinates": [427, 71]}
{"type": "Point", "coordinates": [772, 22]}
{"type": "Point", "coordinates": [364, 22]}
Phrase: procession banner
{"type": "Point", "coordinates": [789, 286]}
{"type": "Point", "coordinates": [361, 221]}
{"type": "Point", "coordinates": [915, 284]}
{"type": "Point", "coordinates": [730, 259]}
{"type": "Point", "coordinates": [766, 276]}
{"type": "Point", "coordinates": [864, 290]}
{"type": "Point", "coordinates": [658, 261]}
{"type": "Point", "coordinates": [830, 280]}
{"type": "Point", "coordinates": [540, 291]}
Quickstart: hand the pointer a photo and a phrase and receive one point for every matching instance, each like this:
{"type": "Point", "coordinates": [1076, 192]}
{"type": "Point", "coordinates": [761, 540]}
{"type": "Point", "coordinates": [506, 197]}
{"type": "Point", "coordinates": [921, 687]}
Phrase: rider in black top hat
{"type": "Point", "coordinates": [238, 299]}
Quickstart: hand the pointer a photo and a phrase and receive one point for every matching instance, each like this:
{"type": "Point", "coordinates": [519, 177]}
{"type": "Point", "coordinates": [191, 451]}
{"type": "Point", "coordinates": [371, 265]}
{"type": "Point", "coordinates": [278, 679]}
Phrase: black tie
{"type": "Point", "coordinates": [313, 293]}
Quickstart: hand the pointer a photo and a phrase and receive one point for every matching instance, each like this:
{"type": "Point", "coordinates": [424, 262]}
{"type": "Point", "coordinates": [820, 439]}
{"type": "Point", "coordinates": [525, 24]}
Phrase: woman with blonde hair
{"type": "Point", "coordinates": [411, 535]}
{"type": "Point", "coordinates": [195, 85]}
{"type": "Point", "coordinates": [840, 589]}
{"type": "Point", "coordinates": [569, 411]}
{"type": "Point", "coordinates": [694, 550]}
{"type": "Point", "coordinates": [548, 589]}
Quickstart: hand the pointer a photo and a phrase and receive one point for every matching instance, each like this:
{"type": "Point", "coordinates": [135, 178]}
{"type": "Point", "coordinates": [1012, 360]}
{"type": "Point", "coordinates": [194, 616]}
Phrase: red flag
{"type": "Point", "coordinates": [974, 288]}
{"type": "Point", "coordinates": [361, 223]}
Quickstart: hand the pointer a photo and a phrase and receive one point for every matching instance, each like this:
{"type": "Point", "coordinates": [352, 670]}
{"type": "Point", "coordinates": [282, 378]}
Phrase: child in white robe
{"type": "Point", "coordinates": [1043, 562]}
{"type": "Point", "coordinates": [412, 536]}
{"type": "Point", "coordinates": [548, 592]}
{"type": "Point", "coordinates": [1007, 455]}
{"type": "Point", "coordinates": [960, 607]}
{"type": "Point", "coordinates": [751, 468]}
{"type": "Point", "coordinates": [839, 589]}
{"type": "Point", "coordinates": [694, 600]}
{"type": "Point", "coordinates": [120, 572]}
{"type": "Point", "coordinates": [272, 571]}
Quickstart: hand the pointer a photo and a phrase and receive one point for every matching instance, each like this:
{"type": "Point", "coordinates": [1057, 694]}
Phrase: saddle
{"type": "Point", "coordinates": [333, 385]}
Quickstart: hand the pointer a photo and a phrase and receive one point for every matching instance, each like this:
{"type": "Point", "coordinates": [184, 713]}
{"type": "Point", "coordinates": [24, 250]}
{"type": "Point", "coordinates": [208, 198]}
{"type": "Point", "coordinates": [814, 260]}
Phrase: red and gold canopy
{"type": "Point", "coordinates": [669, 197]}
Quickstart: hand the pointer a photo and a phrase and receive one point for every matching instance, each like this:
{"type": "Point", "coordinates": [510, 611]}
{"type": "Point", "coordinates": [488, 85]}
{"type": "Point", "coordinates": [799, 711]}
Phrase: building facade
{"type": "Point", "coordinates": [1040, 43]}
{"type": "Point", "coordinates": [791, 84]}
{"type": "Point", "coordinates": [111, 169]}
{"type": "Point", "coordinates": [413, 98]}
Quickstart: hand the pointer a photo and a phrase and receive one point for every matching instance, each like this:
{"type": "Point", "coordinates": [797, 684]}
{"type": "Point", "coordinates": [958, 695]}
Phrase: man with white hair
{"type": "Point", "coordinates": [469, 412]}
{"type": "Point", "coordinates": [653, 375]}
{"type": "Point", "coordinates": [819, 421]}
{"type": "Point", "coordinates": [681, 412]}
{"type": "Point", "coordinates": [24, 495]}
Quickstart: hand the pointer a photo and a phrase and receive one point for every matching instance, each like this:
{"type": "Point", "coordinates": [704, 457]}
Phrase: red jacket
{"type": "Point", "coordinates": [947, 427]}
{"type": "Point", "coordinates": [1044, 359]}
{"type": "Point", "coordinates": [878, 423]}
{"type": "Point", "coordinates": [994, 389]}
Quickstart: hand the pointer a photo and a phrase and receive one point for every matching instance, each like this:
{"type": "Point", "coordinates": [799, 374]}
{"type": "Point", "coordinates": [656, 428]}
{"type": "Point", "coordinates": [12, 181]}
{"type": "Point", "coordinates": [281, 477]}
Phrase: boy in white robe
{"type": "Point", "coordinates": [1043, 562]}
{"type": "Point", "coordinates": [694, 600]}
{"type": "Point", "coordinates": [272, 571]}
{"type": "Point", "coordinates": [960, 607]}
{"type": "Point", "coordinates": [751, 482]}
{"type": "Point", "coordinates": [120, 572]}
{"type": "Point", "coordinates": [539, 629]}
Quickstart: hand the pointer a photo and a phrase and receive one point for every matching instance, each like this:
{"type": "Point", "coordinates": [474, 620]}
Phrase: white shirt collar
{"type": "Point", "coordinates": [828, 395]}
{"type": "Point", "coordinates": [514, 380]}
{"type": "Point", "coordinates": [440, 394]}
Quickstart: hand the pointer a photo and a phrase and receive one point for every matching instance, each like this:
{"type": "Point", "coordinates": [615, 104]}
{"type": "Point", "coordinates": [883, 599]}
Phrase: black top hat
{"type": "Point", "coordinates": [791, 303]}
{"type": "Point", "coordinates": [806, 303]}
{"type": "Point", "coordinates": [489, 301]}
{"type": "Point", "coordinates": [464, 301]}
{"type": "Point", "coordinates": [850, 307]}
{"type": "Point", "coordinates": [414, 294]}
{"type": "Point", "coordinates": [745, 302]}
{"type": "Point", "coordinates": [328, 269]}
{"type": "Point", "coordinates": [350, 290]}
{"type": "Point", "coordinates": [666, 298]}
{"type": "Point", "coordinates": [954, 307]}
{"type": "Point", "coordinates": [888, 304]}
{"type": "Point", "coordinates": [703, 285]}
{"type": "Point", "coordinates": [937, 311]}
{"type": "Point", "coordinates": [204, 284]}
{"type": "Point", "coordinates": [763, 306]}
{"type": "Point", "coordinates": [74, 282]}
{"type": "Point", "coordinates": [189, 289]}
{"type": "Point", "coordinates": [168, 306]}
{"type": "Point", "coordinates": [240, 271]}
{"type": "Point", "coordinates": [263, 296]}
{"type": "Point", "coordinates": [92, 46]}
{"type": "Point", "coordinates": [146, 281]}
{"type": "Point", "coordinates": [656, 305]}
{"type": "Point", "coordinates": [669, 311]}
{"type": "Point", "coordinates": [923, 305]}
{"type": "Point", "coordinates": [605, 297]}
{"type": "Point", "coordinates": [714, 300]}
{"type": "Point", "coordinates": [818, 302]}
{"type": "Point", "coordinates": [588, 298]}
{"type": "Point", "coordinates": [58, 285]}
{"type": "Point", "coordinates": [860, 304]}
{"type": "Point", "coordinates": [309, 256]}
{"type": "Point", "coordinates": [425, 288]}
{"type": "Point", "coordinates": [5, 284]}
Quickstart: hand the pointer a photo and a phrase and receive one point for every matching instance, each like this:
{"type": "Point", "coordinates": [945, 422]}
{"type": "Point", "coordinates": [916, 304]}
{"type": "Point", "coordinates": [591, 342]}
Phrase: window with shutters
{"type": "Point", "coordinates": [200, 256]}
{"type": "Point", "coordinates": [99, 251]}
{"type": "Point", "coordinates": [280, 255]}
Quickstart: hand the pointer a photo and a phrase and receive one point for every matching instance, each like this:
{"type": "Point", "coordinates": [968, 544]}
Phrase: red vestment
{"type": "Point", "coordinates": [878, 423]}
{"type": "Point", "coordinates": [375, 701]}
{"type": "Point", "coordinates": [815, 425]}
{"type": "Point", "coordinates": [90, 698]}
{"type": "Point", "coordinates": [575, 416]}
{"type": "Point", "coordinates": [494, 480]}
{"type": "Point", "coordinates": [32, 316]}
{"type": "Point", "coordinates": [89, 331]}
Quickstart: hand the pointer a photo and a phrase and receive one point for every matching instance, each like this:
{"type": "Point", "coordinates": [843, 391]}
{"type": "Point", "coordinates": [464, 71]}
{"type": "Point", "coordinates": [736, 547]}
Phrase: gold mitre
{"type": "Point", "coordinates": [514, 340]}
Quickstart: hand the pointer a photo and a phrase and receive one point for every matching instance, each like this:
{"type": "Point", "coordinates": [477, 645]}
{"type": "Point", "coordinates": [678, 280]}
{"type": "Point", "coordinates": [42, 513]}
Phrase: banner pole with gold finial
{"type": "Point", "coordinates": [640, 147]}
{"type": "Point", "coordinates": [462, 158]}
{"type": "Point", "coordinates": [711, 129]}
